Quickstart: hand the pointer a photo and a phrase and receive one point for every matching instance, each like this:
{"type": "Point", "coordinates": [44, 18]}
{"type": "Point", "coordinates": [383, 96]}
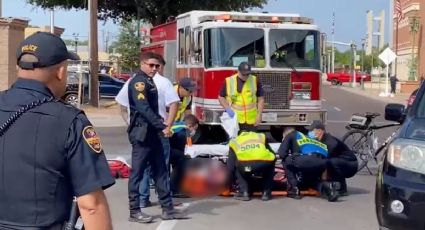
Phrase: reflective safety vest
{"type": "Point", "coordinates": [244, 103]}
{"type": "Point", "coordinates": [182, 107]}
{"type": "Point", "coordinates": [251, 146]}
{"type": "Point", "coordinates": [178, 126]}
{"type": "Point", "coordinates": [309, 146]}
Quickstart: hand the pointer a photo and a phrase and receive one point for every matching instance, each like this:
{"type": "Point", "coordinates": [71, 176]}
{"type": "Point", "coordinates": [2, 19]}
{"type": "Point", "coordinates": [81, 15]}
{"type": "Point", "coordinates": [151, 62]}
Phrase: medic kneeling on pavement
{"type": "Point", "coordinates": [318, 161]}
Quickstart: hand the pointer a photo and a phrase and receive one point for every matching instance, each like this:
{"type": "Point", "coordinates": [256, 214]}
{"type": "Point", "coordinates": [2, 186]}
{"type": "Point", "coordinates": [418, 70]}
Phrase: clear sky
{"type": "Point", "coordinates": [350, 16]}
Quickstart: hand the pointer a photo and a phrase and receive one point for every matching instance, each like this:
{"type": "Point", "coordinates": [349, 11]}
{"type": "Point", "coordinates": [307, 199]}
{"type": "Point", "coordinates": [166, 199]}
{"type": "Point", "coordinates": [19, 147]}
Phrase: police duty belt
{"type": "Point", "coordinates": [12, 119]}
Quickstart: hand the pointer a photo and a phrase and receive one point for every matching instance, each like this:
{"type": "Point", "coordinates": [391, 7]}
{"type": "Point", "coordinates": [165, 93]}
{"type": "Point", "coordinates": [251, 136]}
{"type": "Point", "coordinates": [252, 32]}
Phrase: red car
{"type": "Point", "coordinates": [123, 76]}
{"type": "Point", "coordinates": [346, 77]}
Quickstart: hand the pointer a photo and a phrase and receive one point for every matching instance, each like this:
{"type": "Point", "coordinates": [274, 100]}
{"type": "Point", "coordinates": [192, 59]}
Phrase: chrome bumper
{"type": "Point", "coordinates": [273, 117]}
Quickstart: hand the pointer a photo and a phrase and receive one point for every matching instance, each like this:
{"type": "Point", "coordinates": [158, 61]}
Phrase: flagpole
{"type": "Point", "coordinates": [333, 42]}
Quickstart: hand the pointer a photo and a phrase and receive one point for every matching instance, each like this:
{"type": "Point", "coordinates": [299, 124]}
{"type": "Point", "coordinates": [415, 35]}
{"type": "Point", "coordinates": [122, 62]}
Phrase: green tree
{"type": "Point", "coordinates": [153, 11]}
{"type": "Point", "coordinates": [127, 46]}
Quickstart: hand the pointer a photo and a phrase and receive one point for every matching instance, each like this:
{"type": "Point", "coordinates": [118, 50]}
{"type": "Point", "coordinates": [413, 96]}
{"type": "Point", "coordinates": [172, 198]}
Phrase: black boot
{"type": "Point", "coordinates": [172, 214]}
{"type": "Point", "coordinates": [267, 195]}
{"type": "Point", "coordinates": [343, 190]}
{"type": "Point", "coordinates": [140, 217]}
{"type": "Point", "coordinates": [294, 193]}
{"type": "Point", "coordinates": [244, 196]}
{"type": "Point", "coordinates": [330, 190]}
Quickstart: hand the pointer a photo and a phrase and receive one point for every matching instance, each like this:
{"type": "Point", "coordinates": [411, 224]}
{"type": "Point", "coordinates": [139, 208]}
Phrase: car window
{"type": "Point", "coordinates": [420, 111]}
{"type": "Point", "coordinates": [72, 78]}
{"type": "Point", "coordinates": [104, 78]}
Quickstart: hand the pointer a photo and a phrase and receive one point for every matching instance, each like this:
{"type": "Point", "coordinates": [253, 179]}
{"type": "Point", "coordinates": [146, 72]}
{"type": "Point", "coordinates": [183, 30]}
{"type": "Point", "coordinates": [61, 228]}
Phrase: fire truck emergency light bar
{"type": "Point", "coordinates": [256, 18]}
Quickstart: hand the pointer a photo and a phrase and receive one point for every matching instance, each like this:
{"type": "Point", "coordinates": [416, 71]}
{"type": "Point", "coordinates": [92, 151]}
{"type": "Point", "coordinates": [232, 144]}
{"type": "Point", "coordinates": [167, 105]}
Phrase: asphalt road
{"type": "Point", "coordinates": [354, 212]}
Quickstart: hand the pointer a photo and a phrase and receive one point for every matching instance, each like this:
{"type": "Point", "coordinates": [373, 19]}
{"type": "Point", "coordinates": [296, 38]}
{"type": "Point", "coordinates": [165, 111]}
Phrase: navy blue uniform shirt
{"type": "Point", "coordinates": [143, 99]}
{"type": "Point", "coordinates": [77, 168]}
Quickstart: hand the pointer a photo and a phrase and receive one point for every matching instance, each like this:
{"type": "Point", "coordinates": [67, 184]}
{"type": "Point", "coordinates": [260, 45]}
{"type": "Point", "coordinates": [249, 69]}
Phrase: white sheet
{"type": "Point", "coordinates": [215, 150]}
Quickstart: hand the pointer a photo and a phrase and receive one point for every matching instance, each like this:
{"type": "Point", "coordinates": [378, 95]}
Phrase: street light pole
{"type": "Point", "coordinates": [353, 48]}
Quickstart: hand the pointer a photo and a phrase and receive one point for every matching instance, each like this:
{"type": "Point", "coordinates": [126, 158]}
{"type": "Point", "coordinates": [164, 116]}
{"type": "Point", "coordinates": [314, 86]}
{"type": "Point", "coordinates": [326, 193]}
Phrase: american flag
{"type": "Point", "coordinates": [398, 10]}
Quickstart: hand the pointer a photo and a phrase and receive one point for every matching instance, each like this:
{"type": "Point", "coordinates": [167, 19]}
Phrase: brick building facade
{"type": "Point", "coordinates": [405, 42]}
{"type": "Point", "coordinates": [11, 34]}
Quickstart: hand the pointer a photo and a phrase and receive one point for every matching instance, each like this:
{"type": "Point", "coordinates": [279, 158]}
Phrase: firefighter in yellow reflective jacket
{"type": "Point", "coordinates": [250, 155]}
{"type": "Point", "coordinates": [242, 95]}
{"type": "Point", "coordinates": [184, 89]}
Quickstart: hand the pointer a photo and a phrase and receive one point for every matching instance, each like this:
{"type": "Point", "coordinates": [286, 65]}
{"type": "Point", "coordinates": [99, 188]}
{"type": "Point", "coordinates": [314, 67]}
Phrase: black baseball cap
{"type": "Point", "coordinates": [48, 48]}
{"type": "Point", "coordinates": [187, 84]}
{"type": "Point", "coordinates": [316, 124]}
{"type": "Point", "coordinates": [244, 68]}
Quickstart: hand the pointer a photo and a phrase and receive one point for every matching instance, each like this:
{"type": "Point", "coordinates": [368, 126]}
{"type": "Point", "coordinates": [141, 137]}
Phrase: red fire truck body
{"type": "Point", "coordinates": [285, 52]}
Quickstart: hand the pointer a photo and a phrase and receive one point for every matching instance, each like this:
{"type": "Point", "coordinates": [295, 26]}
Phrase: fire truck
{"type": "Point", "coordinates": [284, 50]}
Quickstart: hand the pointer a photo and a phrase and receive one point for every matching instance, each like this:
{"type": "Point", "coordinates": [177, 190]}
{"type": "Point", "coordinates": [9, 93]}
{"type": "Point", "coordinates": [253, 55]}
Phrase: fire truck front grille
{"type": "Point", "coordinates": [277, 89]}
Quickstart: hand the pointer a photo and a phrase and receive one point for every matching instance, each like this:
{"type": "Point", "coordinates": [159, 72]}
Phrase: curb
{"type": "Point", "coordinates": [401, 99]}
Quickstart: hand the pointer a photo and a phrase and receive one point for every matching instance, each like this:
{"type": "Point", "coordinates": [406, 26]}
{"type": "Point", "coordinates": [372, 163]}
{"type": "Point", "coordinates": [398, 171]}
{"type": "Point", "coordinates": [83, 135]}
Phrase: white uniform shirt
{"type": "Point", "coordinates": [166, 95]}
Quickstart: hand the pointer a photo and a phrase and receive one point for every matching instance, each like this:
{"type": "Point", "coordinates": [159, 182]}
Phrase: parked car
{"type": "Point", "coordinates": [108, 87]}
{"type": "Point", "coordinates": [338, 78]}
{"type": "Point", "coordinates": [400, 186]}
{"type": "Point", "coordinates": [122, 76]}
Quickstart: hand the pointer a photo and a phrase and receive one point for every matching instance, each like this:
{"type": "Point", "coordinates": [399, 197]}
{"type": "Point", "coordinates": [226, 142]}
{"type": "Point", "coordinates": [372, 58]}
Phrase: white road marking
{"type": "Point", "coordinates": [169, 224]}
{"type": "Point", "coordinates": [337, 109]}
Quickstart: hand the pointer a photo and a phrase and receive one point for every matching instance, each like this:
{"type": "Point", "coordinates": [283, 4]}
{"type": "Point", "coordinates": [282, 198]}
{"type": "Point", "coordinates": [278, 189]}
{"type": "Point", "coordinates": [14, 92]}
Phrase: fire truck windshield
{"type": "Point", "coordinates": [227, 47]}
{"type": "Point", "coordinates": [294, 49]}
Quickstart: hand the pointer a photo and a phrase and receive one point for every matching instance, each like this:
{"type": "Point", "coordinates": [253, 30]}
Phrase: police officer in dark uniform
{"type": "Point", "coordinates": [304, 160]}
{"type": "Point", "coordinates": [146, 127]}
{"type": "Point", "coordinates": [341, 162]}
{"type": "Point", "coordinates": [49, 151]}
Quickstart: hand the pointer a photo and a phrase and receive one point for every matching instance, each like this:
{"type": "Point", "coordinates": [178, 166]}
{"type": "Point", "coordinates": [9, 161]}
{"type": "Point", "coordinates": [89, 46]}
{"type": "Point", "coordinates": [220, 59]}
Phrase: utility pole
{"type": "Point", "coordinates": [94, 62]}
{"type": "Point", "coordinates": [52, 21]}
{"type": "Point", "coordinates": [354, 50]}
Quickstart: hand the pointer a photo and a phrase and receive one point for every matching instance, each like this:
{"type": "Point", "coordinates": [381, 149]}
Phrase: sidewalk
{"type": "Point", "coordinates": [373, 90]}
{"type": "Point", "coordinates": [107, 115]}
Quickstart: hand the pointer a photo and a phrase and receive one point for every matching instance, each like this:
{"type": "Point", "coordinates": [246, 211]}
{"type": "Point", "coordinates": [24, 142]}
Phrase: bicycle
{"type": "Point", "coordinates": [362, 139]}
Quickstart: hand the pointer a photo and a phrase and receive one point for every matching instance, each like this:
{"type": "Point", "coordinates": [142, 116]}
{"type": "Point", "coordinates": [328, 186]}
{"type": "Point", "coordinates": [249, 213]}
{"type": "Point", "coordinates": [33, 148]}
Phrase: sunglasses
{"type": "Point", "coordinates": [151, 65]}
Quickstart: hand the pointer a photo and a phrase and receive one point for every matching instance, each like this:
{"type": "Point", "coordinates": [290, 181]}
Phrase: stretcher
{"type": "Point", "coordinates": [215, 150]}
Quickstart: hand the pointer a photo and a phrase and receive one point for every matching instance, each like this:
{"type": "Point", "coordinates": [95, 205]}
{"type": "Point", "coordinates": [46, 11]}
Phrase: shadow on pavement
{"type": "Point", "coordinates": [357, 191]}
{"type": "Point", "coordinates": [208, 206]}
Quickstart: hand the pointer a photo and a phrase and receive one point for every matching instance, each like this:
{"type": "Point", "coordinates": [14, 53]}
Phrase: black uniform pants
{"type": "Point", "coordinates": [150, 150]}
{"type": "Point", "coordinates": [310, 167]}
{"type": "Point", "coordinates": [341, 168]}
{"type": "Point", "coordinates": [178, 162]}
{"type": "Point", "coordinates": [247, 170]}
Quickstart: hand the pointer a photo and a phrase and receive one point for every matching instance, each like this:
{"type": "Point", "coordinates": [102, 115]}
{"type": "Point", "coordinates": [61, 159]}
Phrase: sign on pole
{"type": "Point", "coordinates": [387, 56]}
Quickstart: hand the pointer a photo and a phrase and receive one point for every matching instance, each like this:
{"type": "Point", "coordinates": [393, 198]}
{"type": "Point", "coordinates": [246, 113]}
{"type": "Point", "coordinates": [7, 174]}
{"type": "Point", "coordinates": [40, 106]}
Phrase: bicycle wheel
{"type": "Point", "coordinates": [358, 141]}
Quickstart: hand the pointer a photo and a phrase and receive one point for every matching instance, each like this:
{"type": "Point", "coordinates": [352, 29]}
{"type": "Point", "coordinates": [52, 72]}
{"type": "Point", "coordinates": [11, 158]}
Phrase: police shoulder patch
{"type": "Point", "coordinates": [92, 139]}
{"type": "Point", "coordinates": [139, 86]}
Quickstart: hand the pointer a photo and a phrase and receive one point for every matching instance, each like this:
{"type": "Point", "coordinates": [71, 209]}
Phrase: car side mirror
{"type": "Point", "coordinates": [395, 112]}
